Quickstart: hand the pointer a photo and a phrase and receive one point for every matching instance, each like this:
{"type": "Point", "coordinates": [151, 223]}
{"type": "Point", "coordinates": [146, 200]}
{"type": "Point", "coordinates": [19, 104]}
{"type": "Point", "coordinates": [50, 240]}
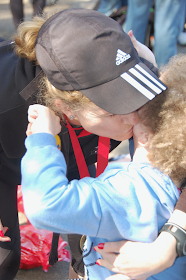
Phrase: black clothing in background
{"type": "Point", "coordinates": [17, 9]}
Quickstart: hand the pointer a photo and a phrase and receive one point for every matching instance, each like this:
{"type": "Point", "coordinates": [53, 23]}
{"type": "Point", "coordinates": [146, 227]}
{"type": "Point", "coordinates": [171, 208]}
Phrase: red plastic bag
{"type": "Point", "coordinates": [36, 244]}
{"type": "Point", "coordinates": [35, 248]}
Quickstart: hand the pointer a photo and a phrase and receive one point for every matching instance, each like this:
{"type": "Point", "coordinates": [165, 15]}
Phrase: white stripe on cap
{"type": "Point", "coordinates": [138, 86]}
{"type": "Point", "coordinates": [145, 81]}
{"type": "Point", "coordinates": [150, 77]}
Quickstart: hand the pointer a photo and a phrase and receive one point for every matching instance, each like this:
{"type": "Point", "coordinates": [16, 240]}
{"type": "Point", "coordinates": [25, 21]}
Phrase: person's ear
{"type": "Point", "coordinates": [63, 108]}
{"type": "Point", "coordinates": [144, 138]}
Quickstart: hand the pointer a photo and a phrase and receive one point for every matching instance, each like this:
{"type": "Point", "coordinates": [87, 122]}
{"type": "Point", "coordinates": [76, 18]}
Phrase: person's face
{"type": "Point", "coordinates": [102, 123]}
{"type": "Point", "coordinates": [139, 130]}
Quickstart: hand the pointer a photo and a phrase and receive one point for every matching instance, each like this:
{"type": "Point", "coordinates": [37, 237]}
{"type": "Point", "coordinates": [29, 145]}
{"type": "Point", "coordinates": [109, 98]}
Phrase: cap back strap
{"type": "Point", "coordinates": [32, 87]}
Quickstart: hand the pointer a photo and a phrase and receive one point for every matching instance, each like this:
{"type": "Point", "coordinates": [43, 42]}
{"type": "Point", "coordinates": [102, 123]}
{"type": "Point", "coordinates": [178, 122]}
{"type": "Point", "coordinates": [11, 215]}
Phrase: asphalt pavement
{"type": "Point", "coordinates": [60, 270]}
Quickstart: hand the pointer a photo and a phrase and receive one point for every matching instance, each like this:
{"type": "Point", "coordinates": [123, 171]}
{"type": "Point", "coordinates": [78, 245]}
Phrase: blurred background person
{"type": "Point", "coordinates": [107, 7]}
{"type": "Point", "coordinates": [182, 35]}
{"type": "Point", "coordinates": [17, 9]}
{"type": "Point", "coordinates": [168, 24]}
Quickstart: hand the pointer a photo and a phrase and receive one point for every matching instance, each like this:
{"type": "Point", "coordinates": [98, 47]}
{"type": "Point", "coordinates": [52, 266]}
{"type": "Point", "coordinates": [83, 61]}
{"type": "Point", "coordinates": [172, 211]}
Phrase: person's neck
{"type": "Point", "coordinates": [140, 151]}
{"type": "Point", "coordinates": [140, 154]}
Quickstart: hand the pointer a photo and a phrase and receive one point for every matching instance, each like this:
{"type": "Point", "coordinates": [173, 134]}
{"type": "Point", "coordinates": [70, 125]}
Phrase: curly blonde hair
{"type": "Point", "coordinates": [25, 40]}
{"type": "Point", "coordinates": [165, 115]}
{"type": "Point", "coordinates": [26, 35]}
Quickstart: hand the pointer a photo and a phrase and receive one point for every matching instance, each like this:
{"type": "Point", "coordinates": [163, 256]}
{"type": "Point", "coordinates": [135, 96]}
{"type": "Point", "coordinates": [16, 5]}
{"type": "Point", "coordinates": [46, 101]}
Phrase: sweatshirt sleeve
{"type": "Point", "coordinates": [50, 201]}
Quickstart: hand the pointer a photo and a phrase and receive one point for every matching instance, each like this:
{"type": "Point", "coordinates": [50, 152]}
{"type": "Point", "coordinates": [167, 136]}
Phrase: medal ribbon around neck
{"type": "Point", "coordinates": [103, 151]}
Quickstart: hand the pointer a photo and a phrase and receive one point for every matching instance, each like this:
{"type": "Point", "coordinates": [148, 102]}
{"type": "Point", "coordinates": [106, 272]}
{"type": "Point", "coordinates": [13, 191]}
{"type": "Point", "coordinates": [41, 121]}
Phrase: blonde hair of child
{"type": "Point", "coordinates": [165, 115]}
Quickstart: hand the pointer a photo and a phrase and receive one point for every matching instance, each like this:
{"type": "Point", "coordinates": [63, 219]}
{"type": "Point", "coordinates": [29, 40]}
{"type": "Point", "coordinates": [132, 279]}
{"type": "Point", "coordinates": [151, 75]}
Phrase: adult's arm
{"type": "Point", "coordinates": [48, 196]}
{"type": "Point", "coordinates": [141, 260]}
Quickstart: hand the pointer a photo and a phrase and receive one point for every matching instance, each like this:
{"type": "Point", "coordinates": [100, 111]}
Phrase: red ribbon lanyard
{"type": "Point", "coordinates": [102, 157]}
{"type": "Point", "coordinates": [103, 153]}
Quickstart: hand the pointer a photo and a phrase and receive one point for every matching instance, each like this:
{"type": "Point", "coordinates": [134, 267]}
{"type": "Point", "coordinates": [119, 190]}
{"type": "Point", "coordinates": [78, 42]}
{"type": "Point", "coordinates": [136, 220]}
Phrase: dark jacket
{"type": "Point", "coordinates": [15, 74]}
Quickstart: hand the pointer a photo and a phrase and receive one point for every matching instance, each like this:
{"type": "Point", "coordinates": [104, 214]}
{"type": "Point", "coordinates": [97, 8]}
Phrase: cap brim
{"type": "Point", "coordinates": [128, 92]}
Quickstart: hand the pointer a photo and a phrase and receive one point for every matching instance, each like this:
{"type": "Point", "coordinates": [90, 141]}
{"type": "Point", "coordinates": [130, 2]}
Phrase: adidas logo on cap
{"type": "Point", "coordinates": [121, 57]}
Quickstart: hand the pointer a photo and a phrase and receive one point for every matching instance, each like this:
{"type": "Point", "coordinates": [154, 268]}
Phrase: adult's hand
{"type": "Point", "coordinates": [3, 230]}
{"type": "Point", "coordinates": [142, 50]}
{"type": "Point", "coordinates": [138, 260]}
{"type": "Point", "coordinates": [42, 119]}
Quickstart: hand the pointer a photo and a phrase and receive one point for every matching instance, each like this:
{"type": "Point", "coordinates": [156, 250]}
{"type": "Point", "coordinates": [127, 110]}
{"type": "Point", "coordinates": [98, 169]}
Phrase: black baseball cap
{"type": "Point", "coordinates": [82, 49]}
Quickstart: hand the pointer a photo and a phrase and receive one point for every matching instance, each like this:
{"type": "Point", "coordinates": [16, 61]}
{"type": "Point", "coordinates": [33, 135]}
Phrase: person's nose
{"type": "Point", "coordinates": [132, 118]}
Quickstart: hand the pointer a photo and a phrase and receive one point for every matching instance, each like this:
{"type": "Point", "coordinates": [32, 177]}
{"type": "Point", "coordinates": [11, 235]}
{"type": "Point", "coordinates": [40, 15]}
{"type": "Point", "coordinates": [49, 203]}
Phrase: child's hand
{"type": "Point", "coordinates": [3, 230]}
{"type": "Point", "coordinates": [42, 119]}
{"type": "Point", "coordinates": [142, 50]}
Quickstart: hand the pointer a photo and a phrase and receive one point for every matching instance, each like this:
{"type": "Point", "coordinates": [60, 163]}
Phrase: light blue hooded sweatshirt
{"type": "Point", "coordinates": [128, 201]}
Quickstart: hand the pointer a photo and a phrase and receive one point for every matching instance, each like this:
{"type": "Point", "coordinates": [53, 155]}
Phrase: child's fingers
{"type": "Point", "coordinates": [32, 116]}
{"type": "Point", "coordinates": [133, 39]}
{"type": "Point", "coordinates": [5, 239]}
{"type": "Point", "coordinates": [1, 226]}
{"type": "Point", "coordinates": [29, 130]}
{"type": "Point", "coordinates": [33, 112]}
{"type": "Point", "coordinates": [131, 35]}
{"type": "Point", "coordinates": [3, 230]}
